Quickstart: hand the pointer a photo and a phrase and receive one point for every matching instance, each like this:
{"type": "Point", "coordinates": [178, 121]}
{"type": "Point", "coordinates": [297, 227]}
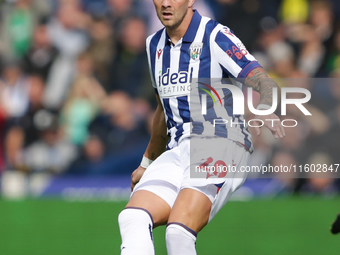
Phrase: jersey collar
{"type": "Point", "coordinates": [193, 27]}
{"type": "Point", "coordinates": [190, 34]}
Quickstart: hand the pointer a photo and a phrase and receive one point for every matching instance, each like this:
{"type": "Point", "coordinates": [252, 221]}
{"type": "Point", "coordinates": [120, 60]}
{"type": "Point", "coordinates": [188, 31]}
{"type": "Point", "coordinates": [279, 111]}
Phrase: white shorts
{"type": "Point", "coordinates": [170, 172]}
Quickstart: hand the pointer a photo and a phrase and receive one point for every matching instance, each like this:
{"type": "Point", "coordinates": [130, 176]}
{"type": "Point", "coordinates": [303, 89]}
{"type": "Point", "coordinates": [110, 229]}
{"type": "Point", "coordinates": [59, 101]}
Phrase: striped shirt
{"type": "Point", "coordinates": [207, 50]}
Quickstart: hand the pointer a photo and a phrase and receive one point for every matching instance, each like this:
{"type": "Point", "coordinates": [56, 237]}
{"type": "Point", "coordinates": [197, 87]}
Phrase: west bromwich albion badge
{"type": "Point", "coordinates": [196, 50]}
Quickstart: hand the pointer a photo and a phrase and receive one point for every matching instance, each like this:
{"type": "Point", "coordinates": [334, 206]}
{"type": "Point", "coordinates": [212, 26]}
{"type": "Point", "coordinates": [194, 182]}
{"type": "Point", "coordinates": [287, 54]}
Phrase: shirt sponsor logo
{"type": "Point", "coordinates": [174, 84]}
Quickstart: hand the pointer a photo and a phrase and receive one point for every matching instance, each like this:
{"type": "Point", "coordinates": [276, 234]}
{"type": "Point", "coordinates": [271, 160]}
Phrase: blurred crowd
{"type": "Point", "coordinates": [76, 97]}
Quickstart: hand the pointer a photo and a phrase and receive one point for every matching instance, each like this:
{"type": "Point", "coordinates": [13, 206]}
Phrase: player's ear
{"type": "Point", "coordinates": [191, 2]}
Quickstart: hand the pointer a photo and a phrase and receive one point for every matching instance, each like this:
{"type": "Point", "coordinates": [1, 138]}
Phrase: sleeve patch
{"type": "Point", "coordinates": [227, 31]}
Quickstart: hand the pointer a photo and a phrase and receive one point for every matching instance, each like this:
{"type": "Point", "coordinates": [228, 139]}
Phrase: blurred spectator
{"type": "Point", "coordinates": [41, 55]}
{"type": "Point", "coordinates": [24, 130]}
{"type": "Point", "coordinates": [336, 8]}
{"type": "Point", "coordinates": [120, 10]}
{"type": "Point", "coordinates": [68, 34]}
{"type": "Point", "coordinates": [333, 61]}
{"type": "Point", "coordinates": [14, 95]}
{"type": "Point", "coordinates": [92, 158]}
{"type": "Point", "coordinates": [83, 102]}
{"type": "Point", "coordinates": [281, 54]}
{"type": "Point", "coordinates": [294, 11]}
{"type": "Point", "coordinates": [42, 8]}
{"type": "Point", "coordinates": [312, 52]}
{"type": "Point", "coordinates": [31, 122]}
{"type": "Point", "coordinates": [130, 72]}
{"type": "Point", "coordinates": [13, 145]}
{"type": "Point", "coordinates": [18, 25]}
{"type": "Point", "coordinates": [322, 18]}
{"type": "Point", "coordinates": [119, 127]}
{"type": "Point", "coordinates": [96, 8]}
{"type": "Point", "coordinates": [102, 50]}
{"type": "Point", "coordinates": [285, 159]}
{"type": "Point", "coordinates": [94, 149]}
{"type": "Point", "coordinates": [51, 153]}
{"type": "Point", "coordinates": [94, 161]}
{"type": "Point", "coordinates": [319, 183]}
{"type": "Point", "coordinates": [2, 124]}
{"type": "Point", "coordinates": [118, 137]}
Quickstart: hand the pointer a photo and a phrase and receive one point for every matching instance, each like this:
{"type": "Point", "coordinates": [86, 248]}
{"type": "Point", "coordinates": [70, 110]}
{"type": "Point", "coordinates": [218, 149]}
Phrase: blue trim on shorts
{"type": "Point", "coordinates": [219, 185]}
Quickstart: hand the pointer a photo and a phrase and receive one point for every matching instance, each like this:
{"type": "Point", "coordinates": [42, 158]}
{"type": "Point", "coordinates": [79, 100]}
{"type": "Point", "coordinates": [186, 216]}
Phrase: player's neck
{"type": "Point", "coordinates": [178, 32]}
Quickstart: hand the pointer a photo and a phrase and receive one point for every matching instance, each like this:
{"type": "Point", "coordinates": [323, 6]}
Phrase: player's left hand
{"type": "Point", "coordinates": [275, 127]}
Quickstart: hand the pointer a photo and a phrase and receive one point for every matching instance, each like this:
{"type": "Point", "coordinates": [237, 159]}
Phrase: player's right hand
{"type": "Point", "coordinates": [136, 175]}
{"type": "Point", "coordinates": [275, 127]}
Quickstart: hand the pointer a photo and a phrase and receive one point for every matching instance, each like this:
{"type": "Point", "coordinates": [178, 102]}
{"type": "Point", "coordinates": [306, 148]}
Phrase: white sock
{"type": "Point", "coordinates": [135, 226]}
{"type": "Point", "coordinates": [180, 240]}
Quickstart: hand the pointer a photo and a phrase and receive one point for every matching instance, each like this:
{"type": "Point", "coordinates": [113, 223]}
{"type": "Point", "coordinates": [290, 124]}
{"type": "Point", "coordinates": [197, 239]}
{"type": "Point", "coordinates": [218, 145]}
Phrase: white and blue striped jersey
{"type": "Point", "coordinates": [207, 50]}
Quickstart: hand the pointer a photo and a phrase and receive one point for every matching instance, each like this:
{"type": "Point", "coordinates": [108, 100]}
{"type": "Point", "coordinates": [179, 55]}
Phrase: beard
{"type": "Point", "coordinates": [178, 22]}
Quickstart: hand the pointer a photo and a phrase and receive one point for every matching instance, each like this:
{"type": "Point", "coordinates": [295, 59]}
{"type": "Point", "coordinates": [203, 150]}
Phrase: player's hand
{"type": "Point", "coordinates": [136, 175]}
{"type": "Point", "coordinates": [275, 127]}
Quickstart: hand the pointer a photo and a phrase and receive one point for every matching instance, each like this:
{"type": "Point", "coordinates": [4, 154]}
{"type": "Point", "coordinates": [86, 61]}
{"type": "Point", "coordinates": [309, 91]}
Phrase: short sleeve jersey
{"type": "Point", "coordinates": [207, 50]}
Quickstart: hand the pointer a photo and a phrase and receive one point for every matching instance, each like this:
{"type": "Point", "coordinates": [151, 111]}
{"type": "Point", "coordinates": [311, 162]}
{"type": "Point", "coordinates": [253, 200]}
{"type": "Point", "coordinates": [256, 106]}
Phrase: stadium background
{"type": "Point", "coordinates": [75, 111]}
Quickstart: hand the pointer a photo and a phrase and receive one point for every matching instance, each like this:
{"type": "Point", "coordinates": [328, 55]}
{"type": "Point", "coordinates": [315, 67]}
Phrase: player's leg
{"type": "Point", "coordinates": [188, 216]}
{"type": "Point", "coordinates": [201, 198]}
{"type": "Point", "coordinates": [150, 204]}
{"type": "Point", "coordinates": [144, 211]}
{"type": "Point", "coordinates": [191, 209]}
{"type": "Point", "coordinates": [156, 206]}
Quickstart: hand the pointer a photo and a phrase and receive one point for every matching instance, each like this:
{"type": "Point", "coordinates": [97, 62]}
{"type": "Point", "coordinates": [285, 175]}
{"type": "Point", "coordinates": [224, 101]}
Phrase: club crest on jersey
{"type": "Point", "coordinates": [196, 50]}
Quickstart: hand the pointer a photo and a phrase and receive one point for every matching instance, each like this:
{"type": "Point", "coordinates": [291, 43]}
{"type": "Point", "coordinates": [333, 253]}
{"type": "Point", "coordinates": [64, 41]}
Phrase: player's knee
{"type": "Point", "coordinates": [135, 226]}
{"type": "Point", "coordinates": [180, 240]}
{"type": "Point", "coordinates": [131, 217]}
{"type": "Point", "coordinates": [123, 217]}
{"type": "Point", "coordinates": [178, 230]}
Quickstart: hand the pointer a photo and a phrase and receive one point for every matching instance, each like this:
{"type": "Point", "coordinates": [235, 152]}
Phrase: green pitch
{"type": "Point", "coordinates": [288, 226]}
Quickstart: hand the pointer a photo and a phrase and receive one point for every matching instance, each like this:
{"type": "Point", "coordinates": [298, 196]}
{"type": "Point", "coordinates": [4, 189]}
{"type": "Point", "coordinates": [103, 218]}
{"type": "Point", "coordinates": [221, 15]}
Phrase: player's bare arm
{"type": "Point", "coordinates": [157, 142]}
{"type": "Point", "coordinates": [261, 82]}
{"type": "Point", "coordinates": [159, 136]}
